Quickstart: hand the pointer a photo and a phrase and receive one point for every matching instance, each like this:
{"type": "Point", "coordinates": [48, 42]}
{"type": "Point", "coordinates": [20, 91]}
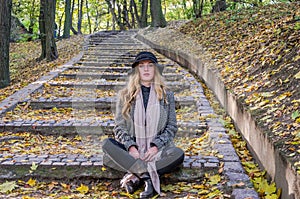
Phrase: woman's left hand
{"type": "Point", "coordinates": [149, 155]}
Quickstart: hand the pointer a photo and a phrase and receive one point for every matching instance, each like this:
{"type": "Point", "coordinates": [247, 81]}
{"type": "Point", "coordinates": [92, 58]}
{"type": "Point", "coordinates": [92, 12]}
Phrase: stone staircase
{"type": "Point", "coordinates": [77, 101]}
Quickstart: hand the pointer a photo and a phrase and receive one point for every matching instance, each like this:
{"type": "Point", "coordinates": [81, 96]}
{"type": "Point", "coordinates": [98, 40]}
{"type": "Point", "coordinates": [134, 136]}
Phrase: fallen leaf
{"type": "Point", "coordinates": [8, 186]}
{"type": "Point", "coordinates": [31, 182]}
{"type": "Point", "coordinates": [83, 189]}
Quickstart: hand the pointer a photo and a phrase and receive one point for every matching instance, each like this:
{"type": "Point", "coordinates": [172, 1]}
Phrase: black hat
{"type": "Point", "coordinates": [145, 55]}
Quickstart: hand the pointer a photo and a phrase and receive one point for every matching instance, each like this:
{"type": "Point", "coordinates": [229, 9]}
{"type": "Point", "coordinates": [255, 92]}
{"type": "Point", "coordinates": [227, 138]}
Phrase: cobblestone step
{"type": "Point", "coordinates": [88, 126]}
{"type": "Point", "coordinates": [113, 49]}
{"type": "Point", "coordinates": [76, 166]}
{"type": "Point", "coordinates": [109, 52]}
{"type": "Point", "coordinates": [106, 85]}
{"type": "Point", "coordinates": [120, 76]}
{"type": "Point", "coordinates": [90, 67]}
{"type": "Point", "coordinates": [99, 103]}
{"type": "Point", "coordinates": [108, 59]}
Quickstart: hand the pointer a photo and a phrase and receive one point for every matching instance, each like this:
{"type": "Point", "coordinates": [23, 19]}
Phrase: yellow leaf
{"type": "Point", "coordinates": [83, 189]}
{"type": "Point", "coordinates": [27, 197]}
{"type": "Point", "coordinates": [297, 76]}
{"type": "Point", "coordinates": [103, 169]}
{"type": "Point", "coordinates": [31, 182]}
{"type": "Point", "coordinates": [203, 192]}
{"type": "Point", "coordinates": [213, 180]}
{"type": "Point", "coordinates": [199, 186]}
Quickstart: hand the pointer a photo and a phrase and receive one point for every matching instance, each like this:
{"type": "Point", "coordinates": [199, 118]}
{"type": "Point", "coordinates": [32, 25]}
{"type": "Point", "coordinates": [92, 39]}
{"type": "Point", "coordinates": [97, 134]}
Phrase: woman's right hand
{"type": "Point", "coordinates": [134, 152]}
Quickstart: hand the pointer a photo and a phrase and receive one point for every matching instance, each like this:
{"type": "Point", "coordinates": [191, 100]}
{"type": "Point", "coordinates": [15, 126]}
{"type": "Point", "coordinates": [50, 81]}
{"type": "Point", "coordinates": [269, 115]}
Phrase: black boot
{"type": "Point", "coordinates": [149, 190]}
{"type": "Point", "coordinates": [129, 187]}
{"type": "Point", "coordinates": [131, 184]}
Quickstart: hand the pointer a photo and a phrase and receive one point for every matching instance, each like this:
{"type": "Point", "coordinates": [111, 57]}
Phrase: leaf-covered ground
{"type": "Point", "coordinates": [257, 52]}
{"type": "Point", "coordinates": [24, 68]}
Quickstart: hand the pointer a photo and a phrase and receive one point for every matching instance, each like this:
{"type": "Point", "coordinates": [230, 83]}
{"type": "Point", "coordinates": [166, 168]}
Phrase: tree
{"type": "Point", "coordinates": [5, 16]}
{"type": "Point", "coordinates": [88, 16]}
{"type": "Point", "coordinates": [67, 24]}
{"type": "Point", "coordinates": [72, 12]}
{"type": "Point", "coordinates": [158, 19]}
{"type": "Point", "coordinates": [46, 22]}
{"type": "Point", "coordinates": [219, 6]}
{"type": "Point", "coordinates": [80, 11]}
{"type": "Point", "coordinates": [125, 14]}
{"type": "Point", "coordinates": [144, 18]}
{"type": "Point", "coordinates": [198, 8]}
{"type": "Point", "coordinates": [32, 17]}
{"type": "Point", "coordinates": [111, 8]}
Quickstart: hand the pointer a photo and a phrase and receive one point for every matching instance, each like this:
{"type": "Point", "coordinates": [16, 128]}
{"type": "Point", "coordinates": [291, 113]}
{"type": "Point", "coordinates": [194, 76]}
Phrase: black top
{"type": "Point", "coordinates": [146, 93]}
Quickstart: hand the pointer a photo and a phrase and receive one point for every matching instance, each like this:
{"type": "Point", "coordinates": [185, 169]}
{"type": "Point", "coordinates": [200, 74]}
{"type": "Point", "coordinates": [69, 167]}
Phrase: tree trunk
{"type": "Point", "coordinates": [88, 15]}
{"type": "Point", "coordinates": [120, 22]}
{"type": "Point", "coordinates": [219, 6]}
{"type": "Point", "coordinates": [32, 17]}
{"type": "Point", "coordinates": [125, 15]}
{"type": "Point", "coordinates": [158, 19]}
{"type": "Point", "coordinates": [67, 24]}
{"type": "Point", "coordinates": [112, 11]}
{"type": "Point", "coordinates": [198, 8]}
{"type": "Point", "coordinates": [5, 15]}
{"type": "Point", "coordinates": [72, 11]}
{"type": "Point", "coordinates": [79, 23]}
{"type": "Point", "coordinates": [144, 10]}
{"type": "Point", "coordinates": [133, 12]}
{"type": "Point", "coordinates": [96, 26]}
{"type": "Point", "coordinates": [60, 24]}
{"type": "Point", "coordinates": [46, 22]}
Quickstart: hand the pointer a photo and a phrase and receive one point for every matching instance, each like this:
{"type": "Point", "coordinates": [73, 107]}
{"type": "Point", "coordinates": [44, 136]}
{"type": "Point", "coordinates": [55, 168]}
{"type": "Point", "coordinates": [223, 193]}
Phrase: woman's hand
{"type": "Point", "coordinates": [134, 152]}
{"type": "Point", "coordinates": [149, 155]}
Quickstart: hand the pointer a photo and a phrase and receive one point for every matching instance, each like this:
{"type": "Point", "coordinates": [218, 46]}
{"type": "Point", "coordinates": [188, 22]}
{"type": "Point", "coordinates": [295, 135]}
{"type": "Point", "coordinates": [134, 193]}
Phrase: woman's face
{"type": "Point", "coordinates": [146, 70]}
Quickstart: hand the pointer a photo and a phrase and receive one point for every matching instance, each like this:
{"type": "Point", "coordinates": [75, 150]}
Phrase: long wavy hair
{"type": "Point", "coordinates": [128, 93]}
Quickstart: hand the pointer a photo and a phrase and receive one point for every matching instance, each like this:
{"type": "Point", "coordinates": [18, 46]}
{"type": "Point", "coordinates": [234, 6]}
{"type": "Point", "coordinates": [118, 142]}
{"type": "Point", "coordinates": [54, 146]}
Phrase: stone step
{"type": "Point", "coordinates": [102, 52]}
{"type": "Point", "coordinates": [77, 166]}
{"type": "Point", "coordinates": [109, 76]}
{"type": "Point", "coordinates": [106, 85]}
{"type": "Point", "coordinates": [101, 56]}
{"type": "Point", "coordinates": [82, 67]}
{"type": "Point", "coordinates": [87, 126]}
{"type": "Point", "coordinates": [59, 93]}
{"type": "Point", "coordinates": [91, 68]}
{"type": "Point", "coordinates": [111, 48]}
{"type": "Point", "coordinates": [94, 61]}
{"type": "Point", "coordinates": [98, 103]}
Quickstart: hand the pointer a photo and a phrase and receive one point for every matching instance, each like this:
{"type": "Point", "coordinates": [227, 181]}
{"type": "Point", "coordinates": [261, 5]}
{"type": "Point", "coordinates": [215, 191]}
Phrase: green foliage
{"type": "Point", "coordinates": [28, 11]}
{"type": "Point", "coordinates": [27, 37]}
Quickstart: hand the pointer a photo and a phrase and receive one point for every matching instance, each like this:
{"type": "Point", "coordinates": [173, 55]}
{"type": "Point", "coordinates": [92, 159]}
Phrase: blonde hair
{"type": "Point", "coordinates": [128, 93]}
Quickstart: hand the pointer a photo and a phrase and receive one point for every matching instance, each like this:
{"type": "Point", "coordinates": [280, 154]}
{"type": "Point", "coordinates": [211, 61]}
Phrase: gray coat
{"type": "Point", "coordinates": [167, 126]}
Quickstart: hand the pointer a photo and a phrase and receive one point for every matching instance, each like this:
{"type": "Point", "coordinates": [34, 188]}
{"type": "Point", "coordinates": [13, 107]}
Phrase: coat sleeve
{"type": "Point", "coordinates": [121, 131]}
{"type": "Point", "coordinates": [167, 135]}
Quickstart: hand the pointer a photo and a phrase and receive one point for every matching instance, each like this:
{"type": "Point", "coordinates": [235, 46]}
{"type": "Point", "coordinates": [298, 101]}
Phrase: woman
{"type": "Point", "coordinates": [145, 128]}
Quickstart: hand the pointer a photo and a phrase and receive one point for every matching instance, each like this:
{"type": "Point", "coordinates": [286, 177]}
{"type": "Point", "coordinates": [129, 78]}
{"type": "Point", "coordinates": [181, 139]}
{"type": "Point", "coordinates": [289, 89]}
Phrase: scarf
{"type": "Point", "coordinates": [146, 128]}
